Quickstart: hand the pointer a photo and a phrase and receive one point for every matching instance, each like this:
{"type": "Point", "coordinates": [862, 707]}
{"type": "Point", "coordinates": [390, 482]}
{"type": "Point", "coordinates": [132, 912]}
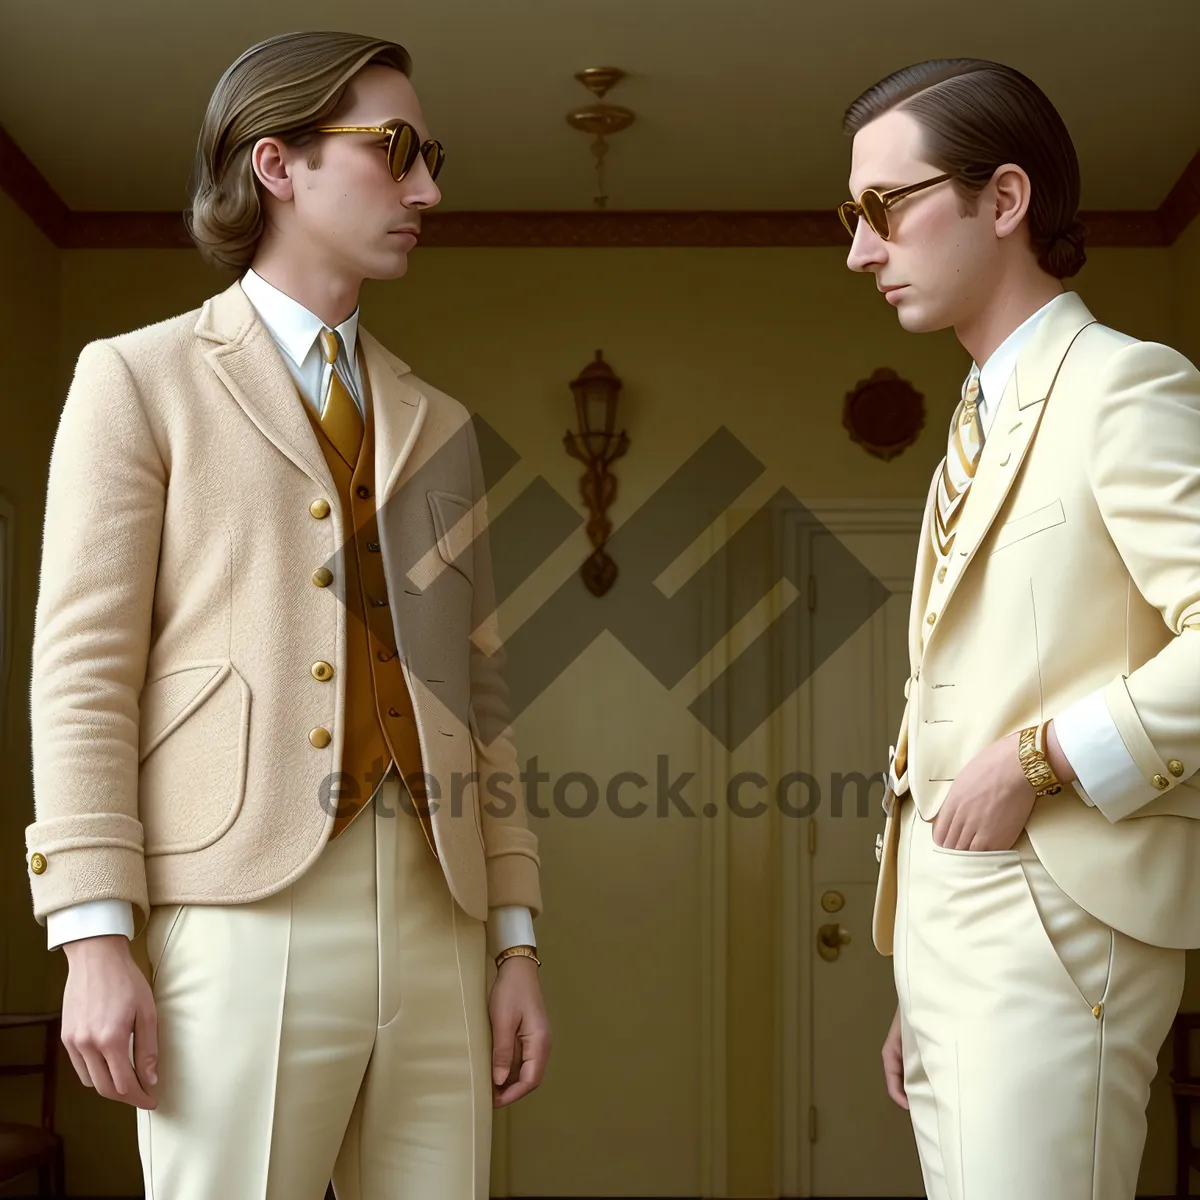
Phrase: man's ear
{"type": "Point", "coordinates": [270, 161]}
{"type": "Point", "coordinates": [1013, 192]}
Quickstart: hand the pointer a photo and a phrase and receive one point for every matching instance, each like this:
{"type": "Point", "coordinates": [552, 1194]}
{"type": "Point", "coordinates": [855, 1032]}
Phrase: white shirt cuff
{"type": "Point", "coordinates": [509, 925]}
{"type": "Point", "coordinates": [93, 918]}
{"type": "Point", "coordinates": [1108, 777]}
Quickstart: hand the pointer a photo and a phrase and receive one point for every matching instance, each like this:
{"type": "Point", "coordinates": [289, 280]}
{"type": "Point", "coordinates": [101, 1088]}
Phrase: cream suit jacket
{"type": "Point", "coordinates": [177, 623]}
{"type": "Point", "coordinates": [1075, 569]}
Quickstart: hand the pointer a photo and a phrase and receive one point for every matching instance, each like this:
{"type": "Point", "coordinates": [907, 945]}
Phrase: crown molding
{"type": "Point", "coordinates": [70, 230]}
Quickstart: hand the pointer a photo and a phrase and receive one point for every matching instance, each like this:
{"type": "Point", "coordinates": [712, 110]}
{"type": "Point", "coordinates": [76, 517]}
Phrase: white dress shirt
{"type": "Point", "coordinates": [295, 331]}
{"type": "Point", "coordinates": [1087, 734]}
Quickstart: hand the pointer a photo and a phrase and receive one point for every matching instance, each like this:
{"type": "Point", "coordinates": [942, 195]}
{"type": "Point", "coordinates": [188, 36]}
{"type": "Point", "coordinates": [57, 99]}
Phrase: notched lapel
{"type": "Point", "coordinates": [1012, 432]}
{"type": "Point", "coordinates": [399, 410]}
{"type": "Point", "coordinates": [246, 359]}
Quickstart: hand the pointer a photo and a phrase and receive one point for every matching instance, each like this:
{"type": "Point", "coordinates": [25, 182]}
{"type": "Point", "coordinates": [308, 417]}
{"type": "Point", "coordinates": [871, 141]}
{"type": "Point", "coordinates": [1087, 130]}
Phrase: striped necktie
{"type": "Point", "coordinates": [962, 457]}
{"type": "Point", "coordinates": [340, 417]}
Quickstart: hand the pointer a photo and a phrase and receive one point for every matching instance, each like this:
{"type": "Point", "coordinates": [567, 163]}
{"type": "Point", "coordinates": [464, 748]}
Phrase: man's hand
{"type": "Point", "coordinates": [107, 999]}
{"type": "Point", "coordinates": [990, 801]}
{"type": "Point", "coordinates": [893, 1063]}
{"type": "Point", "coordinates": [520, 1031]}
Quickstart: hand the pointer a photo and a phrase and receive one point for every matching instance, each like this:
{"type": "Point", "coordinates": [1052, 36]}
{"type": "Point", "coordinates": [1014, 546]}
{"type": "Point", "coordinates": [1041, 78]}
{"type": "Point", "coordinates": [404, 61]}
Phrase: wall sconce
{"type": "Point", "coordinates": [597, 446]}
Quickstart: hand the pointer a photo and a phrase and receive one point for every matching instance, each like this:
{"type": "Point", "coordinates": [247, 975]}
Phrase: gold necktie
{"type": "Point", "coordinates": [340, 417]}
{"type": "Point", "coordinates": [963, 449]}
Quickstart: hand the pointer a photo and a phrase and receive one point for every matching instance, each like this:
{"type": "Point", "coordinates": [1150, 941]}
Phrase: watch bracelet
{"type": "Point", "coordinates": [518, 952]}
{"type": "Point", "coordinates": [1035, 763]}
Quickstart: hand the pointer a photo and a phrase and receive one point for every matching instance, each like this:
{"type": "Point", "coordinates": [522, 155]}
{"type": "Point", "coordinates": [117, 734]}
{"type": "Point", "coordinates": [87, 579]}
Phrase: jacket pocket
{"type": "Point", "coordinates": [1020, 528]}
{"type": "Point", "coordinates": [454, 534]}
{"type": "Point", "coordinates": [194, 738]}
{"type": "Point", "coordinates": [950, 852]}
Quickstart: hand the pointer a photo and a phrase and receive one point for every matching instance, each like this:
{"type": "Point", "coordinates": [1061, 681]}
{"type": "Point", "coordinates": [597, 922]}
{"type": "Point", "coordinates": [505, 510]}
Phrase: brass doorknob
{"type": "Point", "coordinates": [830, 940]}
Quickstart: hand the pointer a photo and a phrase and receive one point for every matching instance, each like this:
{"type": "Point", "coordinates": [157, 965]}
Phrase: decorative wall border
{"type": "Point", "coordinates": [70, 230]}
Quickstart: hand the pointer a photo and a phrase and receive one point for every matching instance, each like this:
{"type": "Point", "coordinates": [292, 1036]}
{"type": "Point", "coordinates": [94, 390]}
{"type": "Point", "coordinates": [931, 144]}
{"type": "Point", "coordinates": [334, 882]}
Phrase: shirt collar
{"type": "Point", "coordinates": [290, 323]}
{"type": "Point", "coordinates": [997, 371]}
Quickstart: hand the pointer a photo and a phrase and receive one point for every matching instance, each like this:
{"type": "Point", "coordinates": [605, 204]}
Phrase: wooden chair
{"type": "Point", "coordinates": [27, 1148]}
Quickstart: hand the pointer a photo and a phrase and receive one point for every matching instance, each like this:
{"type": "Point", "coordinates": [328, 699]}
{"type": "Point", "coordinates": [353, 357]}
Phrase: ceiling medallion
{"type": "Point", "coordinates": [601, 120]}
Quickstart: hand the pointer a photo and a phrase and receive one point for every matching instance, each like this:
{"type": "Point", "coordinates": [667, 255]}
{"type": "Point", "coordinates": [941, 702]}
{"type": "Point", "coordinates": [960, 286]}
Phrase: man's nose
{"type": "Point", "coordinates": [867, 249]}
{"type": "Point", "coordinates": [420, 189]}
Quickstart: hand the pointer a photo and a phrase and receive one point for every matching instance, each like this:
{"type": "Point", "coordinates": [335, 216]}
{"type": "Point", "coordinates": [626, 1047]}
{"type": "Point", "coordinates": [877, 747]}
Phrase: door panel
{"type": "Point", "coordinates": [862, 1143]}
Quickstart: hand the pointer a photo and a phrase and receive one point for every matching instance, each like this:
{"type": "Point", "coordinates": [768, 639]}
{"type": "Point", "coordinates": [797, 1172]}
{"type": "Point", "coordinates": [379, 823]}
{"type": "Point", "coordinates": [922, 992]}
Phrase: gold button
{"type": "Point", "coordinates": [37, 864]}
{"type": "Point", "coordinates": [1160, 782]}
{"type": "Point", "coordinates": [1175, 767]}
{"type": "Point", "coordinates": [320, 738]}
{"type": "Point", "coordinates": [941, 574]}
{"type": "Point", "coordinates": [931, 618]}
{"type": "Point", "coordinates": [322, 577]}
{"type": "Point", "coordinates": [319, 509]}
{"type": "Point", "coordinates": [322, 670]}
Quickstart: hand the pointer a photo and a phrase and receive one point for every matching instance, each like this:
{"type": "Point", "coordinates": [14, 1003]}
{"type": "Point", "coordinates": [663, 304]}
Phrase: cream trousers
{"type": "Point", "coordinates": [1030, 1029]}
{"type": "Point", "coordinates": [338, 1029]}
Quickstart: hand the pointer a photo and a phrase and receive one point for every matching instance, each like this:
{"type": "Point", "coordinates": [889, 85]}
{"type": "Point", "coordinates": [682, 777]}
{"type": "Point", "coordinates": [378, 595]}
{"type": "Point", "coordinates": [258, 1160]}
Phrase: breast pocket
{"type": "Point", "coordinates": [453, 530]}
{"type": "Point", "coordinates": [1025, 526]}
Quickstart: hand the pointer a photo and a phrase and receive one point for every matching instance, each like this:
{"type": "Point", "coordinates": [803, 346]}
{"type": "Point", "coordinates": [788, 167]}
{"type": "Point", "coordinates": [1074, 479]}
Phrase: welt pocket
{"type": "Point", "coordinates": [1019, 528]}
{"type": "Point", "coordinates": [452, 531]}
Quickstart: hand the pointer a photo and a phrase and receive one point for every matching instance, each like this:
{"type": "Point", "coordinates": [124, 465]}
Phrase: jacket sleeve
{"type": "Point", "coordinates": [103, 523]}
{"type": "Point", "coordinates": [510, 846]}
{"type": "Point", "coordinates": [1142, 449]}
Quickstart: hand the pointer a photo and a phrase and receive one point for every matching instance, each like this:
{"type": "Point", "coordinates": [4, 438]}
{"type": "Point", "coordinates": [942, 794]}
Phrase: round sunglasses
{"type": "Point", "coordinates": [403, 146]}
{"type": "Point", "coordinates": [873, 206]}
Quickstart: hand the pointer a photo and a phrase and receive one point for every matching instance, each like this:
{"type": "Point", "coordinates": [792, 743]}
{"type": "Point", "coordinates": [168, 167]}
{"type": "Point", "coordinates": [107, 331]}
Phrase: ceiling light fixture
{"type": "Point", "coordinates": [600, 120]}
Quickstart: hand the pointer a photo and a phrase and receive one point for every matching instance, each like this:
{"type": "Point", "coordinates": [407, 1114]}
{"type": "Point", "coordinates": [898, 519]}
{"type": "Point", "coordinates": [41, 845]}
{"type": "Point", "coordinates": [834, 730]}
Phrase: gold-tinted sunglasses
{"type": "Point", "coordinates": [403, 146]}
{"type": "Point", "coordinates": [874, 204]}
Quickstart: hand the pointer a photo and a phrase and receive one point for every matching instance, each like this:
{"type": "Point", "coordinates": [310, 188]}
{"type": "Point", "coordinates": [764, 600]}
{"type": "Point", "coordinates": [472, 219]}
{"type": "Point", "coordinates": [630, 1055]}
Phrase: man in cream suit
{"type": "Point", "coordinates": [1039, 861]}
{"type": "Point", "coordinates": [268, 719]}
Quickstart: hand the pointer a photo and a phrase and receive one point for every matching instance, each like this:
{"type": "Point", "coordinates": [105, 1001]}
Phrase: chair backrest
{"type": "Point", "coordinates": [1186, 1024]}
{"type": "Point", "coordinates": [51, 1024]}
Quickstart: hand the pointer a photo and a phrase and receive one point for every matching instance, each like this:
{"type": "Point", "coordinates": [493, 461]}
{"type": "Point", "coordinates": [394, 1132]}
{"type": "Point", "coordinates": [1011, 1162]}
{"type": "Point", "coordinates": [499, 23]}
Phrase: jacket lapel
{"type": "Point", "coordinates": [923, 575]}
{"type": "Point", "coordinates": [1012, 433]}
{"type": "Point", "coordinates": [246, 359]}
{"type": "Point", "coordinates": [399, 410]}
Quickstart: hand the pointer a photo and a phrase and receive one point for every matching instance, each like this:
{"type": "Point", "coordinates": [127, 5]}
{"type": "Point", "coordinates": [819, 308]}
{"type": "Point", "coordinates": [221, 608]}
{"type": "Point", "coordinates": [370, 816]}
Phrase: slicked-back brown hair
{"type": "Point", "coordinates": [283, 87]}
{"type": "Point", "coordinates": [976, 115]}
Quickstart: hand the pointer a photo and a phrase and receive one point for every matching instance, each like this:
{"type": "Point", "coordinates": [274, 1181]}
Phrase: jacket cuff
{"type": "Point", "coordinates": [513, 873]}
{"type": "Point", "coordinates": [1153, 775]}
{"type": "Point", "coordinates": [74, 859]}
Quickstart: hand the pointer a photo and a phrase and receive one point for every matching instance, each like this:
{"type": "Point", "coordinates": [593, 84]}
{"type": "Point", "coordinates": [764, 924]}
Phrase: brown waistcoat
{"type": "Point", "coordinates": [380, 724]}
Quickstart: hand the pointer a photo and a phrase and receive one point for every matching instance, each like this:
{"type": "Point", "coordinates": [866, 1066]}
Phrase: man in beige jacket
{"type": "Point", "coordinates": [269, 731]}
{"type": "Point", "coordinates": [1041, 850]}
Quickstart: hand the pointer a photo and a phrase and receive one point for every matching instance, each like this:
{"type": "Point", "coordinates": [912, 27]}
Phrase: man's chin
{"type": "Point", "coordinates": [916, 318]}
{"type": "Point", "coordinates": [389, 266]}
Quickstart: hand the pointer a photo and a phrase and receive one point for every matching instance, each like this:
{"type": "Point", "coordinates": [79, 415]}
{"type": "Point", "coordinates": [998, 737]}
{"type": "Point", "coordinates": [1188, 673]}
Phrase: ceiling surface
{"type": "Point", "coordinates": [738, 105]}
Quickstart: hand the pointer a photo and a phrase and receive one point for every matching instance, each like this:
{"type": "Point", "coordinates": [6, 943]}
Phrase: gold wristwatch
{"type": "Point", "coordinates": [1035, 764]}
{"type": "Point", "coordinates": [518, 952]}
